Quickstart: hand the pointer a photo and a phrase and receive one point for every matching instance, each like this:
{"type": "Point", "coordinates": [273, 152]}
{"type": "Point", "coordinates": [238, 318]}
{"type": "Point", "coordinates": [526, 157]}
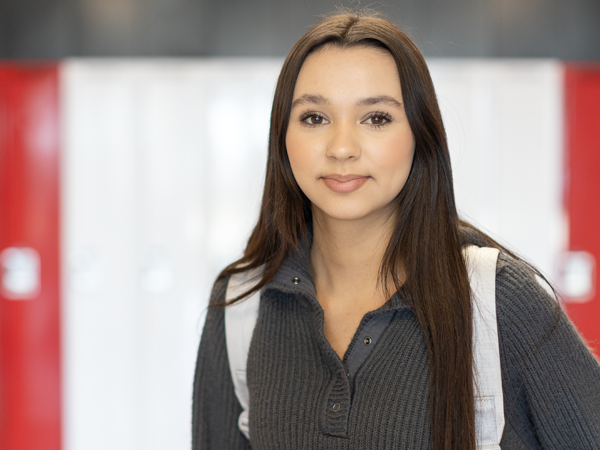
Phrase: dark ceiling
{"type": "Point", "coordinates": [448, 28]}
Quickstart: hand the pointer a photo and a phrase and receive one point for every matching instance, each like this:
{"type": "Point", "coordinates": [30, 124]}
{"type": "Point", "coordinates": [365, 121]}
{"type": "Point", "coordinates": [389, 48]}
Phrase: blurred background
{"type": "Point", "coordinates": [455, 28]}
{"type": "Point", "coordinates": [133, 141]}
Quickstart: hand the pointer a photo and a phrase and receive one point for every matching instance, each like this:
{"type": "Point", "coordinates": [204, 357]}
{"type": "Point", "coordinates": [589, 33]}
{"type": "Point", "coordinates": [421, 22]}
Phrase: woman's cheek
{"type": "Point", "coordinates": [302, 154]}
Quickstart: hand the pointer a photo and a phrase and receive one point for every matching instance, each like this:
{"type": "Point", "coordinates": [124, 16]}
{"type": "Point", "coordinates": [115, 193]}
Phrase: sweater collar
{"type": "Point", "coordinates": [295, 275]}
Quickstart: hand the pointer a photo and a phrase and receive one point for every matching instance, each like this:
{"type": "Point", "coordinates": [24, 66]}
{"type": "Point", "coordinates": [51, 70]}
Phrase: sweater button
{"type": "Point", "coordinates": [296, 280]}
{"type": "Point", "coordinates": [368, 340]}
{"type": "Point", "coordinates": [336, 407]}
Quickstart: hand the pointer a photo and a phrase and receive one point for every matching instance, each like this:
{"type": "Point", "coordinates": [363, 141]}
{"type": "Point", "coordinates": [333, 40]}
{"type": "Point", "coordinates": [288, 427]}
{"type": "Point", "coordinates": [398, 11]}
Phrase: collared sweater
{"type": "Point", "coordinates": [303, 397]}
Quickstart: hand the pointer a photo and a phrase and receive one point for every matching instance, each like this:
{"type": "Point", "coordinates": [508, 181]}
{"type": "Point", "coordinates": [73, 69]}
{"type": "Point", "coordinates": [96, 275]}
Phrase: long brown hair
{"type": "Point", "coordinates": [426, 239]}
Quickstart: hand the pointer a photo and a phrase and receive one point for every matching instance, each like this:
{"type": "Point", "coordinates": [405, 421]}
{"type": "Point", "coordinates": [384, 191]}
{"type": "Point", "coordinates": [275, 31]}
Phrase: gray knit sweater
{"type": "Point", "coordinates": [551, 381]}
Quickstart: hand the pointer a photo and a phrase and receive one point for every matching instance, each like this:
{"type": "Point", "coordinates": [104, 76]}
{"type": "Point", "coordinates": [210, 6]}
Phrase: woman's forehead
{"type": "Point", "coordinates": [357, 72]}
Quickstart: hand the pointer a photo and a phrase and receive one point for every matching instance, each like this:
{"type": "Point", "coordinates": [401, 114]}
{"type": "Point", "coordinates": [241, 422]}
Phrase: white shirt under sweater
{"type": "Point", "coordinates": [551, 382]}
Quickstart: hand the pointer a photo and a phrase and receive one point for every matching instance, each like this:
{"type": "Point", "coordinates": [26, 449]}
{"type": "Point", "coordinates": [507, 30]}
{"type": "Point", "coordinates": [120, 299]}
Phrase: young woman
{"type": "Point", "coordinates": [364, 336]}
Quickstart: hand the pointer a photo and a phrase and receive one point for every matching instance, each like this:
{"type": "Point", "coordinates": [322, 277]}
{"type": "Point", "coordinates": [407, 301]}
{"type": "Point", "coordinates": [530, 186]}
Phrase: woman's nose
{"type": "Point", "coordinates": [343, 143]}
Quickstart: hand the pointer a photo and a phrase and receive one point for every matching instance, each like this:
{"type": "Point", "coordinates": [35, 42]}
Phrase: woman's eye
{"type": "Point", "coordinates": [378, 119]}
{"type": "Point", "coordinates": [314, 119]}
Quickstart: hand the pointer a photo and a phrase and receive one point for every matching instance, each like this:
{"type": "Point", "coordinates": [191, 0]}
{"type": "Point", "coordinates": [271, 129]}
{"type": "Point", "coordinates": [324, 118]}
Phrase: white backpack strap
{"type": "Point", "coordinates": [240, 319]}
{"type": "Point", "coordinates": [487, 375]}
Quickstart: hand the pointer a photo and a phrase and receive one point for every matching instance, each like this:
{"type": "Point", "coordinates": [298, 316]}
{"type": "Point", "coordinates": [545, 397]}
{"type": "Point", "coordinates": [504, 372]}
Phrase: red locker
{"type": "Point", "coordinates": [582, 102]}
{"type": "Point", "coordinates": [30, 397]}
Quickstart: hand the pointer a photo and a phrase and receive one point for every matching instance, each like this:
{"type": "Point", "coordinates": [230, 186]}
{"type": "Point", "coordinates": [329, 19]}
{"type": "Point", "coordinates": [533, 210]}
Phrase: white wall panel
{"type": "Point", "coordinates": [99, 219]}
{"type": "Point", "coordinates": [163, 169]}
{"type": "Point", "coordinates": [238, 111]}
{"type": "Point", "coordinates": [504, 125]}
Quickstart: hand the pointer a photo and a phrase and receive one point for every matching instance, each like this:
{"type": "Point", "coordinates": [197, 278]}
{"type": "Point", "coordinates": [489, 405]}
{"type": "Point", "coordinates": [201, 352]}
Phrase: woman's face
{"type": "Point", "coordinates": [349, 142]}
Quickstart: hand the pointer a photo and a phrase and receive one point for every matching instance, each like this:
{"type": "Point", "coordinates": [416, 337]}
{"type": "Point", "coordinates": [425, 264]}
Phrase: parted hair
{"type": "Point", "coordinates": [427, 236]}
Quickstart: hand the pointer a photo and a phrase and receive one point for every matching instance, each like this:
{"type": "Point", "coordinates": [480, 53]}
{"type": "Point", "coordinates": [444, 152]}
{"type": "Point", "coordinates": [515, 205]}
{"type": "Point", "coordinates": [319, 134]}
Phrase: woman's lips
{"type": "Point", "coordinates": [344, 183]}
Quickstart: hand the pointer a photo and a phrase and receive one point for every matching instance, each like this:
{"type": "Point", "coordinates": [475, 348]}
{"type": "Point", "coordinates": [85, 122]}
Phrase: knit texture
{"type": "Point", "coordinates": [551, 381]}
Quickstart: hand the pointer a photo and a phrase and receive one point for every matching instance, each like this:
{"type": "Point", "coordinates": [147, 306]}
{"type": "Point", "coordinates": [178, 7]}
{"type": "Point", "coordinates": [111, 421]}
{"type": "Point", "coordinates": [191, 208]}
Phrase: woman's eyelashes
{"type": "Point", "coordinates": [313, 119]}
{"type": "Point", "coordinates": [376, 119]}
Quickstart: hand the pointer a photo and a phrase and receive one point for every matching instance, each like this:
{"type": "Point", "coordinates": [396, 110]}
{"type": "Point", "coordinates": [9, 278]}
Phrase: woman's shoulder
{"type": "Point", "coordinates": [217, 294]}
{"type": "Point", "coordinates": [525, 308]}
{"type": "Point", "coordinates": [519, 285]}
{"type": "Point", "coordinates": [550, 378]}
{"type": "Point", "coordinates": [531, 322]}
{"type": "Point", "coordinates": [214, 322]}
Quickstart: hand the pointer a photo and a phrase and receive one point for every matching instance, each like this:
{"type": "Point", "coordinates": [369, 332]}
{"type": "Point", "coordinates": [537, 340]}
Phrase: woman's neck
{"type": "Point", "coordinates": [346, 257]}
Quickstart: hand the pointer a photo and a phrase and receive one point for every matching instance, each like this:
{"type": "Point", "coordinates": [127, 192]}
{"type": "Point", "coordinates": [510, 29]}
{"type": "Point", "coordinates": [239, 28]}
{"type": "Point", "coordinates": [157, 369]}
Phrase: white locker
{"type": "Point", "coordinates": [162, 170]}
{"type": "Point", "coordinates": [504, 124]}
{"type": "Point", "coordinates": [99, 230]}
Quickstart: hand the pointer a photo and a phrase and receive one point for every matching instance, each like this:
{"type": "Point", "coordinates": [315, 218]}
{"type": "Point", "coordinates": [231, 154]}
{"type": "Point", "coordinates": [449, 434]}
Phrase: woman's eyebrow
{"type": "Point", "coordinates": [368, 101]}
{"type": "Point", "coordinates": [310, 98]}
{"type": "Point", "coordinates": [385, 99]}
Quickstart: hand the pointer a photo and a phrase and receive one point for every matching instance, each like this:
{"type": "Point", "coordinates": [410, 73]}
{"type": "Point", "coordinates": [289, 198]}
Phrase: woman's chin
{"type": "Point", "coordinates": [349, 213]}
